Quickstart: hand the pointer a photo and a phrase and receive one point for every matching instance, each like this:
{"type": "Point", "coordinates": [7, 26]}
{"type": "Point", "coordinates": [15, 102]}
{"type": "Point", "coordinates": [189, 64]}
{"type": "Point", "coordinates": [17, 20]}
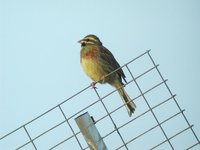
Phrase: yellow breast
{"type": "Point", "coordinates": [92, 68]}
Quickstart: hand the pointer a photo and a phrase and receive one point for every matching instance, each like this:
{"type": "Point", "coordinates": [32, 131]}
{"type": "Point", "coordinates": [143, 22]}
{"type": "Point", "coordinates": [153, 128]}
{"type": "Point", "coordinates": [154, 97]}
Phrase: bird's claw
{"type": "Point", "coordinates": [93, 85]}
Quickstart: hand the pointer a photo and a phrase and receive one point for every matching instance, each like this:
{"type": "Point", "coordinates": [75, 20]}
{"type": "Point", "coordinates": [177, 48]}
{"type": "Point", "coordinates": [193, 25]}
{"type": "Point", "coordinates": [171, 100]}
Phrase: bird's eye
{"type": "Point", "coordinates": [87, 40]}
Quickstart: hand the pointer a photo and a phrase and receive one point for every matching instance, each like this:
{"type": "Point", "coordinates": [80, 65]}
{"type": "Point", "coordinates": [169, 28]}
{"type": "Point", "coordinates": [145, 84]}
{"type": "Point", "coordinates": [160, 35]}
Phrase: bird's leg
{"type": "Point", "coordinates": [100, 81]}
{"type": "Point", "coordinates": [93, 85]}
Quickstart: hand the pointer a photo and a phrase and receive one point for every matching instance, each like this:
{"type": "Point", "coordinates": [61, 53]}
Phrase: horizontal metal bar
{"type": "Point", "coordinates": [147, 51]}
{"type": "Point", "coordinates": [124, 65]}
{"type": "Point", "coordinates": [42, 134]}
{"type": "Point", "coordinates": [134, 99]}
{"type": "Point", "coordinates": [172, 137]}
{"type": "Point", "coordinates": [62, 142]}
{"type": "Point", "coordinates": [198, 143]}
{"type": "Point", "coordinates": [21, 127]}
{"type": "Point", "coordinates": [44, 113]}
{"type": "Point", "coordinates": [151, 128]}
{"type": "Point", "coordinates": [147, 71]}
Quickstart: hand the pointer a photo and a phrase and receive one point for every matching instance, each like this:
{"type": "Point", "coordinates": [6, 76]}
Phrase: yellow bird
{"type": "Point", "coordinates": [97, 62]}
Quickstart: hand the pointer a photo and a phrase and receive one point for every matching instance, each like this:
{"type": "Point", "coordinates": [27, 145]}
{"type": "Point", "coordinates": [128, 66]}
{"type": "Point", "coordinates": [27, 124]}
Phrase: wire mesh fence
{"type": "Point", "coordinates": [158, 123]}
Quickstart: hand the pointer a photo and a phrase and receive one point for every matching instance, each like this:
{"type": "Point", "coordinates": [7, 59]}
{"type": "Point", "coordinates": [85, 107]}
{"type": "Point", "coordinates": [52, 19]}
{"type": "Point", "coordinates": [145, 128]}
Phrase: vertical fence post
{"type": "Point", "coordinates": [90, 132]}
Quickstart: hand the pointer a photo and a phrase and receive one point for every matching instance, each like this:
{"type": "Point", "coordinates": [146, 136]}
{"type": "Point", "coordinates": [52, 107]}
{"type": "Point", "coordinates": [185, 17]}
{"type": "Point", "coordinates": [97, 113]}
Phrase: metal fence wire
{"type": "Point", "coordinates": [158, 123]}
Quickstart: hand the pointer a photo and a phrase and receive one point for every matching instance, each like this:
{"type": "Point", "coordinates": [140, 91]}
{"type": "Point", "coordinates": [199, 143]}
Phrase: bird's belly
{"type": "Point", "coordinates": [93, 69]}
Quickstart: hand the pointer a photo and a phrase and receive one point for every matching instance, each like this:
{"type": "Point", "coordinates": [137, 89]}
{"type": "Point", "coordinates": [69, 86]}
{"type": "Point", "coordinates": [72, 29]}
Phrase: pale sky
{"type": "Point", "coordinates": [39, 53]}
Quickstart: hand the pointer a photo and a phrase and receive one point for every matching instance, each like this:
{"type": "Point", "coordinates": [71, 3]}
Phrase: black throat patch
{"type": "Point", "coordinates": [83, 44]}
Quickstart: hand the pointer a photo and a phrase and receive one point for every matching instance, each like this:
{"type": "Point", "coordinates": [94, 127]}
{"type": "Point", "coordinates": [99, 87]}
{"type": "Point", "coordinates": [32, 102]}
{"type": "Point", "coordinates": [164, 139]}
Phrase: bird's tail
{"type": "Point", "coordinates": [129, 104]}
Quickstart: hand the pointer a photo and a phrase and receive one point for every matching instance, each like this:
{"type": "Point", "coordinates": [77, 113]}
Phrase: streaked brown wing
{"type": "Point", "coordinates": [109, 59]}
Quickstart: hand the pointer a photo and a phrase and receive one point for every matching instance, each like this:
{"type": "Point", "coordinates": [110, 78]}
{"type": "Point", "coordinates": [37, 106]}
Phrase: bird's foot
{"type": "Point", "coordinates": [93, 85]}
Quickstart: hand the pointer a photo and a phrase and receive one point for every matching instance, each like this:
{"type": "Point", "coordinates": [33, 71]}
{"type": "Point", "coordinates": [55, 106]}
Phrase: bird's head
{"type": "Point", "coordinates": [90, 40]}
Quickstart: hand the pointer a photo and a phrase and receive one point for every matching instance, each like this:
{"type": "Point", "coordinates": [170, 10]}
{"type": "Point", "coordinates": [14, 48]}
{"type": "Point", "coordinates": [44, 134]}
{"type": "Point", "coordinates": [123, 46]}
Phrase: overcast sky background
{"type": "Point", "coordinates": [39, 53]}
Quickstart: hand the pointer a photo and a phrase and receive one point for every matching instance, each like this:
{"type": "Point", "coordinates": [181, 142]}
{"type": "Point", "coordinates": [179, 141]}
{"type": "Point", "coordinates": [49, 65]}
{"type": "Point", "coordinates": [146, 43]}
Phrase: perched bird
{"type": "Point", "coordinates": [99, 63]}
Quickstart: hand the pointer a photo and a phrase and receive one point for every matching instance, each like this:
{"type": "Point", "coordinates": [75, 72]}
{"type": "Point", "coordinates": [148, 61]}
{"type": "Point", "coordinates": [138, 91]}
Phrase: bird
{"type": "Point", "coordinates": [102, 67]}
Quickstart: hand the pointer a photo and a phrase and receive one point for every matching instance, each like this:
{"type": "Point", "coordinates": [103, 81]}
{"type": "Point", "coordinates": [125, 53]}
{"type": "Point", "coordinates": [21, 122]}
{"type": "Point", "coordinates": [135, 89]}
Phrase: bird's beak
{"type": "Point", "coordinates": [80, 41]}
